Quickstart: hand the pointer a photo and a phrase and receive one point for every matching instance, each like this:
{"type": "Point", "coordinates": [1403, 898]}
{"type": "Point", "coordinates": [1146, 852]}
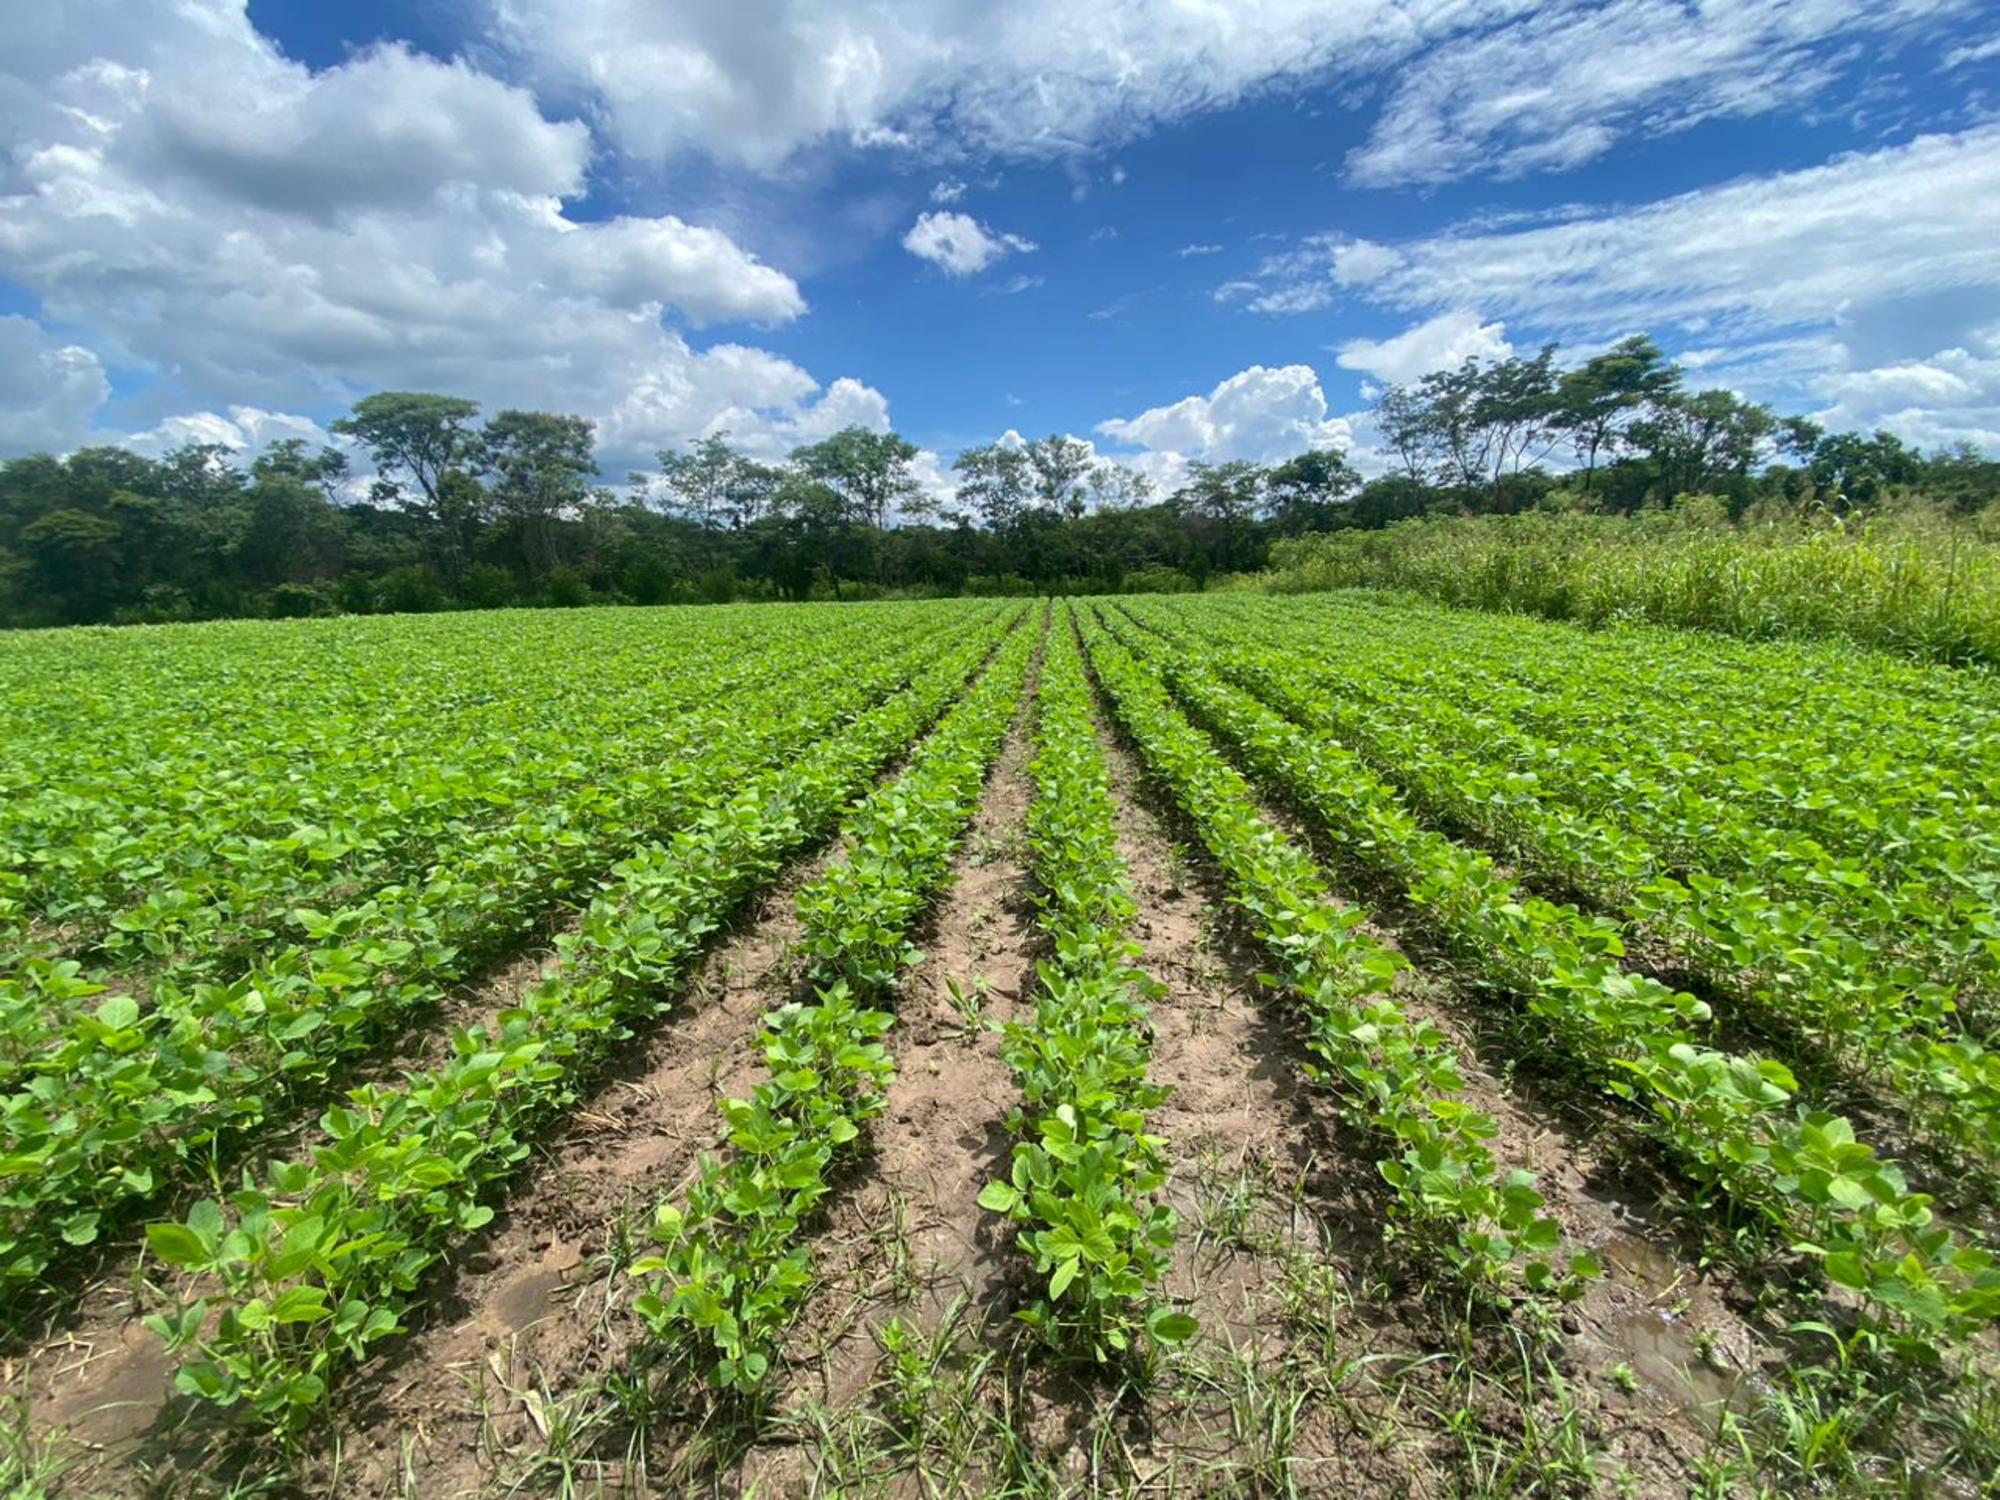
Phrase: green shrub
{"type": "Point", "coordinates": [1911, 581]}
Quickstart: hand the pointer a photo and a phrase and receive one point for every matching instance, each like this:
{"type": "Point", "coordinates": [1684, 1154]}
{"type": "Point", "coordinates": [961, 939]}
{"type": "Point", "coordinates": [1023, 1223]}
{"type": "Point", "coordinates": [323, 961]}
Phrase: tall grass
{"type": "Point", "coordinates": [1915, 582]}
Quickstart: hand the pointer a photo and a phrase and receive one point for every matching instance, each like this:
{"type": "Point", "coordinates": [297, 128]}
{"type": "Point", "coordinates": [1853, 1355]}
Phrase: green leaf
{"type": "Point", "coordinates": [177, 1245]}
{"type": "Point", "coordinates": [999, 1197]}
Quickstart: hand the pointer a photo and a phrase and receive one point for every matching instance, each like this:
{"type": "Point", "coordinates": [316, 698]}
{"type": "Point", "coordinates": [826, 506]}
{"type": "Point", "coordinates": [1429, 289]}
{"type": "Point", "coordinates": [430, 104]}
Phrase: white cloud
{"type": "Point", "coordinates": [1789, 248]}
{"type": "Point", "coordinates": [756, 84]}
{"type": "Point", "coordinates": [1972, 52]}
{"type": "Point", "coordinates": [959, 244]}
{"type": "Point", "coordinates": [1799, 288]}
{"type": "Point", "coordinates": [1951, 396]}
{"type": "Point", "coordinates": [1019, 282]}
{"type": "Point", "coordinates": [48, 390]}
{"type": "Point", "coordinates": [1358, 262]}
{"type": "Point", "coordinates": [1476, 86]}
{"type": "Point", "coordinates": [1259, 414]}
{"type": "Point", "coordinates": [246, 430]}
{"type": "Point", "coordinates": [1559, 87]}
{"type": "Point", "coordinates": [203, 209]}
{"type": "Point", "coordinates": [1187, 251]}
{"type": "Point", "coordinates": [1439, 343]}
{"type": "Point", "coordinates": [948, 190]}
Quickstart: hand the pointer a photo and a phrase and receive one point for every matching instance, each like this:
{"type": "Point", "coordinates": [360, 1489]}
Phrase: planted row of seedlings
{"type": "Point", "coordinates": [154, 825]}
{"type": "Point", "coordinates": [1733, 1120]}
{"type": "Point", "coordinates": [1847, 813]}
{"type": "Point", "coordinates": [1891, 779]}
{"type": "Point", "coordinates": [1785, 953]}
{"type": "Point", "coordinates": [731, 1260]}
{"type": "Point", "coordinates": [302, 1270]}
{"type": "Point", "coordinates": [142, 1098]}
{"type": "Point", "coordinates": [1393, 1076]}
{"type": "Point", "coordinates": [209, 898]}
{"type": "Point", "coordinates": [289, 919]}
{"type": "Point", "coordinates": [1083, 1182]}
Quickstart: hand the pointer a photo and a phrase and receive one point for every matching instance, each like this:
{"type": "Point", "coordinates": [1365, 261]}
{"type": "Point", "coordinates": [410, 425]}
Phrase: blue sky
{"type": "Point", "coordinates": [1180, 230]}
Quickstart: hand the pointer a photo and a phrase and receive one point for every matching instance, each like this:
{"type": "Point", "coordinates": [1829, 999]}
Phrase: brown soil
{"type": "Point", "coordinates": [908, 1241]}
{"type": "Point", "coordinates": [536, 1312]}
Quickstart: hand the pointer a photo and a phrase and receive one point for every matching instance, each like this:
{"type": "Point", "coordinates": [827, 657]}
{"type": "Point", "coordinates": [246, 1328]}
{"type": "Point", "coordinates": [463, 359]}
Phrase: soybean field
{"type": "Point", "coordinates": [1161, 1046]}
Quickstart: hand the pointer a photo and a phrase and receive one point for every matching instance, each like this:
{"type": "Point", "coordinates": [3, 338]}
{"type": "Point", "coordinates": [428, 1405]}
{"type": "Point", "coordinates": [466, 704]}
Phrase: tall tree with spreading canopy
{"type": "Point", "coordinates": [869, 471]}
{"type": "Point", "coordinates": [1059, 467]}
{"type": "Point", "coordinates": [415, 437]}
{"type": "Point", "coordinates": [539, 464]}
{"type": "Point", "coordinates": [997, 482]}
{"type": "Point", "coordinates": [1597, 403]}
{"type": "Point", "coordinates": [712, 484]}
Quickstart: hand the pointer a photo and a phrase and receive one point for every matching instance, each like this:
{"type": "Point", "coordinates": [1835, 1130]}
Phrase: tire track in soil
{"type": "Point", "coordinates": [941, 1136]}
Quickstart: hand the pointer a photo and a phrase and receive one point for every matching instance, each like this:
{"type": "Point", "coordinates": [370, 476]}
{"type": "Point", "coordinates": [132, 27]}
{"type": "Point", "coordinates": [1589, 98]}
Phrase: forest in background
{"type": "Point", "coordinates": [463, 511]}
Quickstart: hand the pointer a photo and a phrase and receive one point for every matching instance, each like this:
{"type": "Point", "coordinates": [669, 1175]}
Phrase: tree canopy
{"type": "Point", "coordinates": [454, 511]}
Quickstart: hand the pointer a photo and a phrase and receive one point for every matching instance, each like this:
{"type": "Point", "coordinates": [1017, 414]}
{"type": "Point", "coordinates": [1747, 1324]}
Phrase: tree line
{"type": "Point", "coordinates": [460, 512]}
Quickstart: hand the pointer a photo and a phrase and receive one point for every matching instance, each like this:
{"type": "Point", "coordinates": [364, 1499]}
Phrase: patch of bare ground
{"type": "Point", "coordinates": [1280, 1211]}
{"type": "Point", "coordinates": [100, 1377]}
{"type": "Point", "coordinates": [1655, 1351]}
{"type": "Point", "coordinates": [907, 1243]}
{"type": "Point", "coordinates": [533, 1316]}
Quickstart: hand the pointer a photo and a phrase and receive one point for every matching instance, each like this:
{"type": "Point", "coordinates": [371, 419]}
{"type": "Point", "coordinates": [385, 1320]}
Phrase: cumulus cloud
{"type": "Point", "coordinates": [199, 206]}
{"type": "Point", "coordinates": [959, 244]}
{"type": "Point", "coordinates": [1439, 343]}
{"type": "Point", "coordinates": [49, 390]}
{"type": "Point", "coordinates": [1187, 252]}
{"type": "Point", "coordinates": [948, 190]}
{"type": "Point", "coordinates": [1948, 397]}
{"type": "Point", "coordinates": [246, 431]}
{"type": "Point", "coordinates": [1258, 414]}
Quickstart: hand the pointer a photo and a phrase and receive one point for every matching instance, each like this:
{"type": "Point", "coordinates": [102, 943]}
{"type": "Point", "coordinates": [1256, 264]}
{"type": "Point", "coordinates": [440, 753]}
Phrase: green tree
{"type": "Point", "coordinates": [1058, 467]}
{"type": "Point", "coordinates": [1853, 470]}
{"type": "Point", "coordinates": [539, 465]}
{"type": "Point", "coordinates": [414, 437]}
{"type": "Point", "coordinates": [869, 471]}
{"type": "Point", "coordinates": [1596, 403]}
{"type": "Point", "coordinates": [996, 481]}
{"type": "Point", "coordinates": [1704, 441]}
{"type": "Point", "coordinates": [1311, 492]}
{"type": "Point", "coordinates": [712, 484]}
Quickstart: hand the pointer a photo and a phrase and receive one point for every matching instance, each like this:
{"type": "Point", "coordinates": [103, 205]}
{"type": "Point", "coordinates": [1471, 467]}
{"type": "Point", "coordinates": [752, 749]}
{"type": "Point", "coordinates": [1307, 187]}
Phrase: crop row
{"type": "Point", "coordinates": [133, 1098]}
{"type": "Point", "coordinates": [1888, 775]}
{"type": "Point", "coordinates": [298, 1274]}
{"type": "Point", "coordinates": [210, 924]}
{"type": "Point", "coordinates": [1732, 1119]}
{"type": "Point", "coordinates": [731, 1262]}
{"type": "Point", "coordinates": [208, 895]}
{"type": "Point", "coordinates": [1884, 834]}
{"type": "Point", "coordinates": [140, 786]}
{"type": "Point", "coordinates": [1392, 1075]}
{"type": "Point", "coordinates": [1083, 1176]}
{"type": "Point", "coordinates": [1756, 933]}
